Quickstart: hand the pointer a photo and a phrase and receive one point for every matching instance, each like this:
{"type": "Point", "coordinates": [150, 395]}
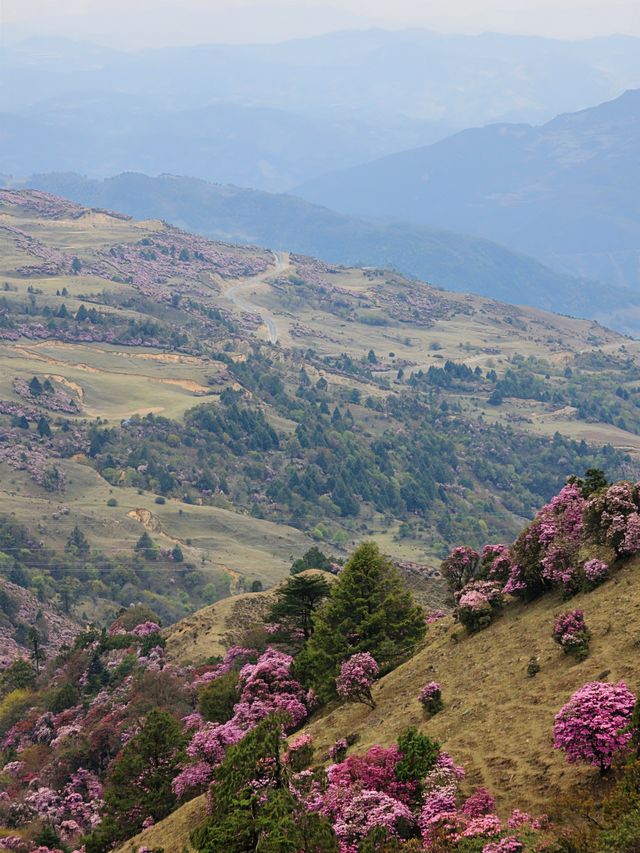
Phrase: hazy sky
{"type": "Point", "coordinates": [161, 22]}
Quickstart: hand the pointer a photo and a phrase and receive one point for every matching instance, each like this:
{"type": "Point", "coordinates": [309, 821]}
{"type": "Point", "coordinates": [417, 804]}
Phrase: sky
{"type": "Point", "coordinates": [154, 23]}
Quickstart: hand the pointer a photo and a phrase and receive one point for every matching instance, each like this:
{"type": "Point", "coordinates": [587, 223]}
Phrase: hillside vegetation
{"type": "Point", "coordinates": [444, 258]}
{"type": "Point", "coordinates": [233, 405]}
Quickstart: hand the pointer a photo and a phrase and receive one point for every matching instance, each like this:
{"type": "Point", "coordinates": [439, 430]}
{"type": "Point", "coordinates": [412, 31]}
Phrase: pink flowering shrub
{"type": "Point", "coordinates": [594, 725]}
{"type": "Point", "coordinates": [595, 572]}
{"type": "Point", "coordinates": [509, 844]}
{"type": "Point", "coordinates": [431, 697]}
{"type": "Point", "coordinates": [356, 678]}
{"type": "Point", "coordinates": [300, 753]}
{"type": "Point", "coordinates": [546, 552]}
{"type": "Point", "coordinates": [267, 687]}
{"type": "Point", "coordinates": [145, 629]}
{"type": "Point", "coordinates": [435, 616]}
{"type": "Point", "coordinates": [338, 751]}
{"type": "Point", "coordinates": [613, 518]}
{"type": "Point", "coordinates": [571, 633]}
{"type": "Point", "coordinates": [479, 803]}
{"type": "Point", "coordinates": [459, 567]}
{"type": "Point", "coordinates": [478, 603]}
{"type": "Point", "coordinates": [496, 563]}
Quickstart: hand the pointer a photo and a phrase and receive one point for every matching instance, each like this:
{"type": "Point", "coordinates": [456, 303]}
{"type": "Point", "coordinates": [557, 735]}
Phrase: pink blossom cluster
{"type": "Point", "coordinates": [234, 656]}
{"type": "Point", "coordinates": [145, 629]}
{"type": "Point", "coordinates": [593, 726]}
{"type": "Point", "coordinates": [459, 567]}
{"type": "Point", "coordinates": [595, 571]}
{"type": "Point", "coordinates": [356, 678]}
{"type": "Point", "coordinates": [265, 687]}
{"type": "Point", "coordinates": [477, 604]}
{"type": "Point", "coordinates": [431, 697]}
{"type": "Point", "coordinates": [435, 616]}
{"type": "Point", "coordinates": [571, 633]}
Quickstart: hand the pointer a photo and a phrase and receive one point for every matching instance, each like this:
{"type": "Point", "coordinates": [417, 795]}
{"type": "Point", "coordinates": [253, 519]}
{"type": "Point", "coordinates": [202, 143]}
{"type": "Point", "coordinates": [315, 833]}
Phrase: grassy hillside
{"type": "Point", "coordinates": [238, 404]}
{"type": "Point", "coordinates": [447, 259]}
{"type": "Point", "coordinates": [496, 720]}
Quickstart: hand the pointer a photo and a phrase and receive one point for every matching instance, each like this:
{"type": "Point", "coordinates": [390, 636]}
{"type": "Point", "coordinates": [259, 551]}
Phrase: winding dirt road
{"type": "Point", "coordinates": [241, 302]}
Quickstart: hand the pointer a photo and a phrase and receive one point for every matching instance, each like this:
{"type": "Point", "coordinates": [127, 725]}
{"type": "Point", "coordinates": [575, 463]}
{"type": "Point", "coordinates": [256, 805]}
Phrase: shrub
{"type": "Point", "coordinates": [217, 699]}
{"type": "Point", "coordinates": [356, 678]}
{"type": "Point", "coordinates": [594, 725]}
{"type": "Point", "coordinates": [431, 697]}
{"type": "Point", "coordinates": [459, 567]}
{"type": "Point", "coordinates": [595, 572]}
{"type": "Point", "coordinates": [478, 603]}
{"type": "Point", "coordinates": [300, 753]}
{"type": "Point", "coordinates": [112, 502]}
{"type": "Point", "coordinates": [571, 633]}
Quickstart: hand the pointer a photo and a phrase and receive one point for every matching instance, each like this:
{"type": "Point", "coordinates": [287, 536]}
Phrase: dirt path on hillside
{"type": "Point", "coordinates": [281, 265]}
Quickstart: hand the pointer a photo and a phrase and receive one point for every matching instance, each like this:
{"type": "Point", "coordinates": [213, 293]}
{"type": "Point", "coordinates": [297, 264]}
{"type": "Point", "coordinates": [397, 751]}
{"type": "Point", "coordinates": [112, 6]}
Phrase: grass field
{"type": "Point", "coordinates": [220, 538]}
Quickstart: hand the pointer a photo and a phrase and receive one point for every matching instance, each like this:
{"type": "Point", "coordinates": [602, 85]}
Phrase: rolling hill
{"type": "Point", "coordinates": [564, 192]}
{"type": "Point", "coordinates": [232, 403]}
{"type": "Point", "coordinates": [447, 259]}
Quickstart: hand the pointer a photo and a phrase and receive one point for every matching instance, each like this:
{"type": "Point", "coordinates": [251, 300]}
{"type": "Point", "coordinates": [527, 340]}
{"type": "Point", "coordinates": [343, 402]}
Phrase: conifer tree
{"type": "Point", "coordinates": [139, 783]}
{"type": "Point", "coordinates": [251, 815]}
{"type": "Point", "coordinates": [369, 610]}
{"type": "Point", "coordinates": [297, 600]}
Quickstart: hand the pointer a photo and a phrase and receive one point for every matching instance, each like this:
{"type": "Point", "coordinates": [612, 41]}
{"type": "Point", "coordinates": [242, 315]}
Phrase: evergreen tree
{"type": "Point", "coordinates": [19, 675]}
{"type": "Point", "coordinates": [297, 600]}
{"type": "Point", "coordinates": [35, 387]}
{"type": "Point", "coordinates": [177, 554]}
{"type": "Point", "coordinates": [311, 559]}
{"type": "Point", "coordinates": [81, 314]}
{"type": "Point", "coordinates": [78, 543]}
{"type": "Point", "coordinates": [139, 783]}
{"type": "Point", "coordinates": [44, 430]}
{"type": "Point", "coordinates": [36, 654]}
{"type": "Point", "coordinates": [217, 699]}
{"type": "Point", "coordinates": [369, 610]}
{"type": "Point", "coordinates": [147, 547]}
{"type": "Point", "coordinates": [246, 817]}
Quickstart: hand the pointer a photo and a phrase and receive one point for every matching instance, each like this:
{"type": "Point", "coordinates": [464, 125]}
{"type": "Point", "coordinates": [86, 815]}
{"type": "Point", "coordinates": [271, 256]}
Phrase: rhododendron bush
{"type": "Point", "coordinates": [571, 633]}
{"type": "Point", "coordinates": [356, 678]}
{"type": "Point", "coordinates": [431, 697]}
{"type": "Point", "coordinates": [594, 725]}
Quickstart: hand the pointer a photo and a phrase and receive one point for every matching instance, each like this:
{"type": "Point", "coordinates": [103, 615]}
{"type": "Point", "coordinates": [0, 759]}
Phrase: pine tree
{"type": "Point", "coordinates": [36, 654]}
{"type": "Point", "coordinates": [35, 387]}
{"type": "Point", "coordinates": [147, 547]}
{"type": "Point", "coordinates": [77, 543]}
{"type": "Point", "coordinates": [139, 783]}
{"type": "Point", "coordinates": [369, 610]}
{"type": "Point", "coordinates": [297, 600]}
{"type": "Point", "coordinates": [247, 817]}
{"type": "Point", "coordinates": [43, 427]}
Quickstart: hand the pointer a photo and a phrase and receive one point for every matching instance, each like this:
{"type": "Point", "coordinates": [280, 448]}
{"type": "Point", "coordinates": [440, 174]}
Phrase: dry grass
{"type": "Point", "coordinates": [496, 721]}
{"type": "Point", "coordinates": [173, 833]}
{"type": "Point", "coordinates": [212, 630]}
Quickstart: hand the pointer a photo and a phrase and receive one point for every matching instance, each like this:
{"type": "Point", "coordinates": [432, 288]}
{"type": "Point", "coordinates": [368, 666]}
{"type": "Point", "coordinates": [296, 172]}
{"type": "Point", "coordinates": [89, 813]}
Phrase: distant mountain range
{"type": "Point", "coordinates": [566, 192]}
{"type": "Point", "coordinates": [274, 116]}
{"type": "Point", "coordinates": [450, 260]}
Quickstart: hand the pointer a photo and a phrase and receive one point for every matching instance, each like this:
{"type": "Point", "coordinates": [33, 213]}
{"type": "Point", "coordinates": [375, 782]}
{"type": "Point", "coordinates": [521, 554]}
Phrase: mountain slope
{"type": "Point", "coordinates": [272, 116]}
{"type": "Point", "coordinates": [234, 405]}
{"type": "Point", "coordinates": [496, 721]}
{"type": "Point", "coordinates": [565, 192]}
{"type": "Point", "coordinates": [450, 260]}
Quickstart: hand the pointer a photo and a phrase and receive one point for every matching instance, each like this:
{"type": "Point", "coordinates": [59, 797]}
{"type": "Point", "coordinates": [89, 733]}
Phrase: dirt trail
{"type": "Point", "coordinates": [281, 265]}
